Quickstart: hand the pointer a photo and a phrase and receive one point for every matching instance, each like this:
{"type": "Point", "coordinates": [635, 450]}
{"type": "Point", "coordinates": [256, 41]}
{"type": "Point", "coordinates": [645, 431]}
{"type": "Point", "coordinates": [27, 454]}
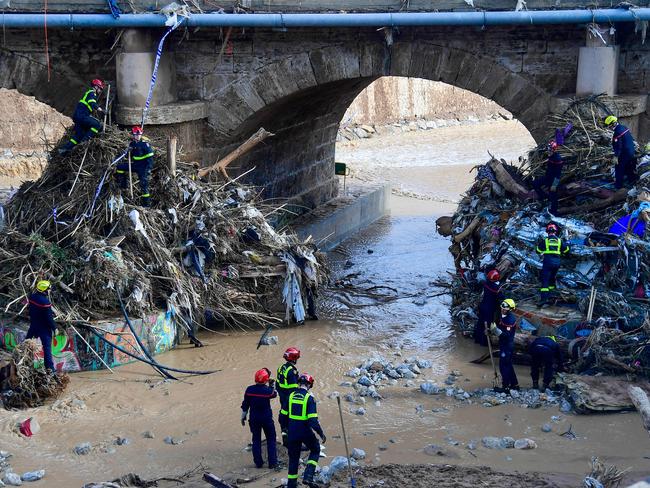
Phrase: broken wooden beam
{"type": "Point", "coordinates": [249, 144]}
{"type": "Point", "coordinates": [468, 230]}
{"type": "Point", "coordinates": [506, 180]}
{"type": "Point", "coordinates": [215, 481]}
{"type": "Point", "coordinates": [617, 197]}
{"type": "Point", "coordinates": [641, 403]}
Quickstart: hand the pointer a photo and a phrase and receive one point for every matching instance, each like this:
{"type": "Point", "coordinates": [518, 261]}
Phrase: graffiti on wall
{"type": "Point", "coordinates": [71, 353]}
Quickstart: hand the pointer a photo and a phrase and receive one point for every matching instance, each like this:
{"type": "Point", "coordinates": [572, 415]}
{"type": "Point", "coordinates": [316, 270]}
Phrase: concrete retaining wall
{"type": "Point", "coordinates": [343, 217]}
{"type": "Point", "coordinates": [158, 333]}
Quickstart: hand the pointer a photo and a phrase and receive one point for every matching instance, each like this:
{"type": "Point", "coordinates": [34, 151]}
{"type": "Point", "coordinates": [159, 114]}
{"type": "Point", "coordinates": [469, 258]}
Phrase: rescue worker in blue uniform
{"type": "Point", "coordinates": [303, 422]}
{"type": "Point", "coordinates": [257, 400]}
{"type": "Point", "coordinates": [85, 125]}
{"type": "Point", "coordinates": [505, 331]}
{"type": "Point", "coordinates": [41, 321]}
{"type": "Point", "coordinates": [141, 164]}
{"type": "Point", "coordinates": [545, 353]}
{"type": "Point", "coordinates": [624, 152]}
{"type": "Point", "coordinates": [551, 178]}
{"type": "Point", "coordinates": [492, 296]}
{"type": "Point", "coordinates": [551, 249]}
{"type": "Point", "coordinates": [287, 383]}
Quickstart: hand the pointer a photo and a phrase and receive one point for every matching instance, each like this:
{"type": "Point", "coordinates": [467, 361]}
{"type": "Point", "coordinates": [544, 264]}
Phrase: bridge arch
{"type": "Point", "coordinates": [303, 97]}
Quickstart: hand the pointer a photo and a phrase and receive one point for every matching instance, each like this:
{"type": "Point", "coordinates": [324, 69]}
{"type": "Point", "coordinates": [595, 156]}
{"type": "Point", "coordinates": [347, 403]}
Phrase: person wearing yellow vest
{"type": "Point", "coordinates": [142, 164]}
{"type": "Point", "coordinates": [286, 384]}
{"type": "Point", "coordinates": [85, 125]}
{"type": "Point", "coordinates": [303, 423]}
{"type": "Point", "coordinates": [551, 249]}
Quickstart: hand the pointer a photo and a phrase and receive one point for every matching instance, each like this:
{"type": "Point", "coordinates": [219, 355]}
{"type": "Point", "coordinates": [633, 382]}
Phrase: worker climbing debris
{"type": "Point", "coordinates": [597, 231]}
{"type": "Point", "coordinates": [141, 152]}
{"type": "Point", "coordinates": [85, 125]}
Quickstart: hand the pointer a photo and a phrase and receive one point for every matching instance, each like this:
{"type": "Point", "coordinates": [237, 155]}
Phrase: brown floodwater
{"type": "Point", "coordinates": [203, 412]}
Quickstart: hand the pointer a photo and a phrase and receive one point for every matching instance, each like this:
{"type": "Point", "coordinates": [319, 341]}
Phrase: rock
{"type": "Point", "coordinates": [358, 453]}
{"type": "Point", "coordinates": [419, 409]}
{"type": "Point", "coordinates": [368, 128]}
{"type": "Point", "coordinates": [382, 447]}
{"type": "Point", "coordinates": [525, 444]}
{"type": "Point", "coordinates": [12, 479]}
{"type": "Point", "coordinates": [172, 440]}
{"type": "Point", "coordinates": [82, 449]}
{"type": "Point", "coordinates": [349, 397]}
{"type": "Point", "coordinates": [423, 363]}
{"type": "Point", "coordinates": [147, 434]}
{"type": "Point", "coordinates": [376, 366]}
{"type": "Point", "coordinates": [269, 341]}
{"type": "Point", "coordinates": [353, 373]}
{"type": "Point", "coordinates": [565, 406]}
{"type": "Point", "coordinates": [507, 442]}
{"type": "Point", "coordinates": [408, 374]}
{"type": "Point", "coordinates": [450, 392]}
{"type": "Point", "coordinates": [122, 441]}
{"type": "Point", "coordinates": [414, 368]}
{"type": "Point", "coordinates": [364, 381]}
{"type": "Point", "coordinates": [492, 442]}
{"type": "Point", "coordinates": [360, 411]}
{"type": "Point", "coordinates": [33, 475]}
{"type": "Point", "coordinates": [392, 382]}
{"type": "Point", "coordinates": [556, 418]}
{"type": "Point", "coordinates": [547, 428]}
{"type": "Point", "coordinates": [450, 380]}
{"type": "Point", "coordinates": [429, 388]}
{"type": "Point", "coordinates": [456, 373]}
{"type": "Point", "coordinates": [472, 445]}
{"type": "Point", "coordinates": [109, 450]}
{"type": "Point", "coordinates": [409, 384]}
{"type": "Point", "coordinates": [433, 450]}
{"type": "Point", "coordinates": [391, 373]}
{"type": "Point", "coordinates": [333, 395]}
{"type": "Point", "coordinates": [346, 384]}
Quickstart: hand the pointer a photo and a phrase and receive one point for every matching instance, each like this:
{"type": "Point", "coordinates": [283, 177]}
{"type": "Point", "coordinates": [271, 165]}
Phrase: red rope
{"type": "Point", "coordinates": [47, 50]}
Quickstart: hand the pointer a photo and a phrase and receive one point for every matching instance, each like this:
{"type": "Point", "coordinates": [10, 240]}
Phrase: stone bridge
{"type": "Point", "coordinates": [216, 86]}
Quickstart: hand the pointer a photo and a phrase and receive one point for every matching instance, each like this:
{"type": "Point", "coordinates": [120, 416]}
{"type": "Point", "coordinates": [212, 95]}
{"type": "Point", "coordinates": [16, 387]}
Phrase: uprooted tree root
{"type": "Point", "coordinates": [31, 387]}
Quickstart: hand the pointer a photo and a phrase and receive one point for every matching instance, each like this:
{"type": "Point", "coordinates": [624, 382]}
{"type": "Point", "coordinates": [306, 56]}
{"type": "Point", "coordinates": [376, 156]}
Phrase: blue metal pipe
{"type": "Point", "coordinates": [533, 17]}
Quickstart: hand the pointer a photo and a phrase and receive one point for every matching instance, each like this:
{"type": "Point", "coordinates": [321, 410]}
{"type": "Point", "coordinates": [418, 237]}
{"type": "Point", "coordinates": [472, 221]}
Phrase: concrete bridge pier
{"type": "Point", "coordinates": [166, 115]}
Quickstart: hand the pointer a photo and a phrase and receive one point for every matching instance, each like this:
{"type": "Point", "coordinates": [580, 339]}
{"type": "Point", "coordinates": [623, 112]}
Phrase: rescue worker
{"type": "Point", "coordinates": [257, 399]}
{"type": "Point", "coordinates": [551, 249]}
{"type": "Point", "coordinates": [492, 296]}
{"type": "Point", "coordinates": [287, 384]}
{"type": "Point", "coordinates": [303, 422]}
{"type": "Point", "coordinates": [141, 163]}
{"type": "Point", "coordinates": [545, 352]}
{"type": "Point", "coordinates": [551, 178]}
{"type": "Point", "coordinates": [624, 149]}
{"type": "Point", "coordinates": [85, 125]}
{"type": "Point", "coordinates": [505, 331]}
{"type": "Point", "coordinates": [41, 321]}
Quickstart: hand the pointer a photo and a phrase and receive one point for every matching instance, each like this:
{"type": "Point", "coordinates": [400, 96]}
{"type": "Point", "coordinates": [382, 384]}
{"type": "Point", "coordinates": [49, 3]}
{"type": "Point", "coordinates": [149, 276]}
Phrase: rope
{"type": "Point", "coordinates": [154, 74]}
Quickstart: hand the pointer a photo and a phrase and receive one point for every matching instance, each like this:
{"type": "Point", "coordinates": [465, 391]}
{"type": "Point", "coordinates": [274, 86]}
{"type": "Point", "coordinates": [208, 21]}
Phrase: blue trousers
{"type": "Point", "coordinates": [542, 357]}
{"type": "Point", "coordinates": [45, 335]}
{"type": "Point", "coordinates": [550, 268]}
{"type": "Point", "coordinates": [142, 169]}
{"type": "Point", "coordinates": [85, 127]}
{"type": "Point", "coordinates": [626, 168]}
{"type": "Point", "coordinates": [298, 437]}
{"type": "Point", "coordinates": [551, 196]}
{"type": "Point", "coordinates": [257, 426]}
{"type": "Point", "coordinates": [485, 314]}
{"type": "Point", "coordinates": [507, 370]}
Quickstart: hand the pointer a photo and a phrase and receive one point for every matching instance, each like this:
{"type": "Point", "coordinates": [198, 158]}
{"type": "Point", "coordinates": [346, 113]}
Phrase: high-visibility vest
{"type": "Point", "coordinates": [552, 245]}
{"type": "Point", "coordinates": [87, 101]}
{"type": "Point", "coordinates": [298, 406]}
{"type": "Point", "coordinates": [282, 377]}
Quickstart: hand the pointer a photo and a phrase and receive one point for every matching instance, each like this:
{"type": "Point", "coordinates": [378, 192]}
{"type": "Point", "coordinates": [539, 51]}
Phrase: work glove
{"type": "Point", "coordinates": [243, 417]}
{"type": "Point", "coordinates": [615, 160]}
{"type": "Point", "coordinates": [272, 383]}
{"type": "Point", "coordinates": [323, 439]}
{"type": "Point", "coordinates": [554, 185]}
{"type": "Point", "coordinates": [495, 330]}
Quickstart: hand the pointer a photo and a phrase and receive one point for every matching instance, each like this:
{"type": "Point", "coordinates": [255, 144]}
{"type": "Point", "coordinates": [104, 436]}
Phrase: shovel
{"type": "Point", "coordinates": [495, 380]}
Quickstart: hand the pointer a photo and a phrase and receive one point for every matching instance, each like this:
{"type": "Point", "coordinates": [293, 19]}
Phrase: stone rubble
{"type": "Point", "coordinates": [9, 478]}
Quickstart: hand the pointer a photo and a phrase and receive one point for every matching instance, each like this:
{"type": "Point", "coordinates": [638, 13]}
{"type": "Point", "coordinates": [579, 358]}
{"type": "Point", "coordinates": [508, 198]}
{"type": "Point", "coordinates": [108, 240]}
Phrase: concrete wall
{"type": "Point", "coordinates": [158, 333]}
{"type": "Point", "coordinates": [391, 99]}
{"type": "Point", "coordinates": [338, 220]}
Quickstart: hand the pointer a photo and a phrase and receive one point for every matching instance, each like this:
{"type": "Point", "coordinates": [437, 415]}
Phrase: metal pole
{"type": "Point", "coordinates": [345, 441]}
{"type": "Point", "coordinates": [108, 96]}
{"type": "Point", "coordinates": [495, 381]}
{"type": "Point", "coordinates": [171, 153]}
{"type": "Point", "coordinates": [130, 177]}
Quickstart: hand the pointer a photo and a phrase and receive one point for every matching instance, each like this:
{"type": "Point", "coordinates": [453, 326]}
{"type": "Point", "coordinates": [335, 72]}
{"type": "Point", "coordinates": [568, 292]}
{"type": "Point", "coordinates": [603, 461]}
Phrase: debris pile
{"type": "Point", "coordinates": [29, 387]}
{"type": "Point", "coordinates": [500, 218]}
{"type": "Point", "coordinates": [203, 245]}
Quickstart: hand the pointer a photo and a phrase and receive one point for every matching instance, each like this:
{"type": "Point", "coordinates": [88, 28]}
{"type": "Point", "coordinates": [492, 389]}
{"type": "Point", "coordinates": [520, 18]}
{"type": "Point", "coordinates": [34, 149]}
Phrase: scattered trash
{"type": "Point", "coordinates": [82, 449]}
{"type": "Point", "coordinates": [29, 427]}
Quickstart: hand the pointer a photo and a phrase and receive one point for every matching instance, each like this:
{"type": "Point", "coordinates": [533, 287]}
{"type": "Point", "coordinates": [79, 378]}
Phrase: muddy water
{"type": "Point", "coordinates": [203, 412]}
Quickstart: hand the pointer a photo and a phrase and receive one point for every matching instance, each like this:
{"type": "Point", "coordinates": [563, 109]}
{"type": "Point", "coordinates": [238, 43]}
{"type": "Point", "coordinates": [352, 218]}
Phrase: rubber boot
{"type": "Point", "coordinates": [146, 201]}
{"type": "Point", "coordinates": [285, 438]}
{"type": "Point", "coordinates": [535, 385]}
{"type": "Point", "coordinates": [292, 483]}
{"type": "Point", "coordinates": [308, 476]}
{"type": "Point", "coordinates": [545, 387]}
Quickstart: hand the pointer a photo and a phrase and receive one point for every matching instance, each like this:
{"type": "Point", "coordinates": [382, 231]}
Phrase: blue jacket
{"type": "Point", "coordinates": [86, 105]}
{"type": "Point", "coordinates": [298, 426]}
{"type": "Point", "coordinates": [554, 166]}
{"type": "Point", "coordinates": [549, 344]}
{"type": "Point", "coordinates": [508, 327]}
{"type": "Point", "coordinates": [287, 374]}
{"type": "Point", "coordinates": [141, 152]}
{"type": "Point", "coordinates": [622, 142]}
{"type": "Point", "coordinates": [257, 399]}
{"type": "Point", "coordinates": [41, 316]}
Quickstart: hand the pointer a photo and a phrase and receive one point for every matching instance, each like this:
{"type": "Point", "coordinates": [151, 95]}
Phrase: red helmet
{"type": "Point", "coordinates": [552, 228]}
{"type": "Point", "coordinates": [493, 275]}
{"type": "Point", "coordinates": [552, 145]}
{"type": "Point", "coordinates": [306, 379]}
{"type": "Point", "coordinates": [291, 354]}
{"type": "Point", "coordinates": [262, 375]}
{"type": "Point", "coordinates": [136, 129]}
{"type": "Point", "coordinates": [98, 83]}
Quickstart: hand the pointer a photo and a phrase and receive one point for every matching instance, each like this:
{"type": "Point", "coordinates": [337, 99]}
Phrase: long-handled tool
{"type": "Point", "coordinates": [495, 381]}
{"type": "Point", "coordinates": [108, 96]}
{"type": "Point", "coordinates": [353, 483]}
